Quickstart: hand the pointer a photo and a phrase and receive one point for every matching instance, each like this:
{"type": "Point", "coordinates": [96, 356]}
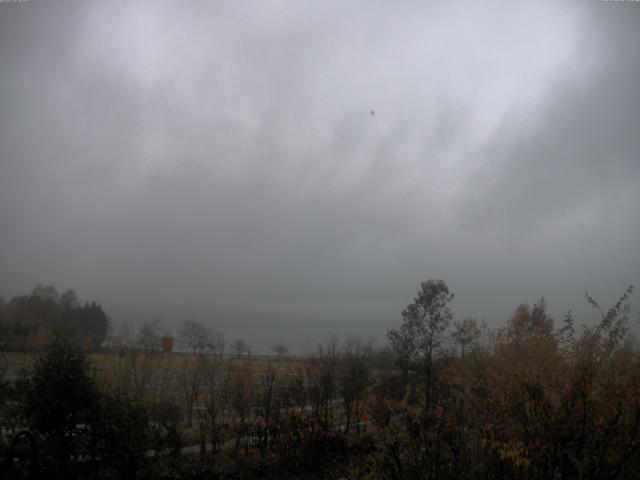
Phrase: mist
{"type": "Point", "coordinates": [286, 171]}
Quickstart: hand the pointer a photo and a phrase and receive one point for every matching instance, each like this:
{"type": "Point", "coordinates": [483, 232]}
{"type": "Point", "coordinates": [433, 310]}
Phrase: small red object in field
{"type": "Point", "coordinates": [166, 342]}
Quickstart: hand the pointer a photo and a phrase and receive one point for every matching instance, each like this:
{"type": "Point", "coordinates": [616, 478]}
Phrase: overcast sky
{"type": "Point", "coordinates": [221, 161]}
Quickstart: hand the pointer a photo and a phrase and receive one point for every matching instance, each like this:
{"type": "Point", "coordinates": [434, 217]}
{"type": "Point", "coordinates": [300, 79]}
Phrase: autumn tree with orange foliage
{"type": "Point", "coordinates": [538, 402]}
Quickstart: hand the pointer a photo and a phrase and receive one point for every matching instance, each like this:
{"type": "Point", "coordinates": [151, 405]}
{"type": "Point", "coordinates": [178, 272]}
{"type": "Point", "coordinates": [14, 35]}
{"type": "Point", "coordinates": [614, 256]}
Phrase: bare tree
{"type": "Point", "coordinates": [280, 349]}
{"type": "Point", "coordinates": [241, 399]}
{"type": "Point", "coordinates": [269, 407]}
{"type": "Point", "coordinates": [322, 379]}
{"type": "Point", "coordinates": [191, 378]}
{"type": "Point", "coordinates": [353, 376]}
{"type": "Point", "coordinates": [240, 346]}
{"type": "Point", "coordinates": [194, 336]}
{"type": "Point", "coordinates": [213, 417]}
{"type": "Point", "coordinates": [217, 344]}
{"type": "Point", "coordinates": [148, 336]}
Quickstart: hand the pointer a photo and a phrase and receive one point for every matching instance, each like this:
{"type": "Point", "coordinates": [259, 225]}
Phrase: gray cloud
{"type": "Point", "coordinates": [219, 160]}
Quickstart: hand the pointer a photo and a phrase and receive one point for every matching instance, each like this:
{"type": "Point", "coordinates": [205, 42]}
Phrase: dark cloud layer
{"type": "Point", "coordinates": [219, 160]}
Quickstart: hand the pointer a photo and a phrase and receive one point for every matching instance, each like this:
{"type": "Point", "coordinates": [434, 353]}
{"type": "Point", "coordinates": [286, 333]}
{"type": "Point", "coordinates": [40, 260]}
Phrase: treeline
{"type": "Point", "coordinates": [28, 322]}
{"type": "Point", "coordinates": [443, 400]}
{"type": "Point", "coordinates": [535, 401]}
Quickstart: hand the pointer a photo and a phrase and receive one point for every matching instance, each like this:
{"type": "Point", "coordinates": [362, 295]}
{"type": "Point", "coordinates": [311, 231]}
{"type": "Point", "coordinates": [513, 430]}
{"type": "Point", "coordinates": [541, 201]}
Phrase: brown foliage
{"type": "Point", "coordinates": [540, 403]}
